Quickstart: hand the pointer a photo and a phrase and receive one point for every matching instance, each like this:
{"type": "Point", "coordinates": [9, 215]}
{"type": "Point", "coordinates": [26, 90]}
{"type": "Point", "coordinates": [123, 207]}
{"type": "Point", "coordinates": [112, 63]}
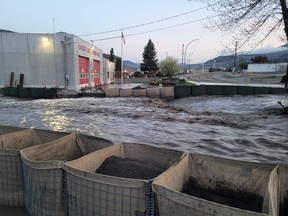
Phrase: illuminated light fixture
{"type": "Point", "coordinates": [45, 38]}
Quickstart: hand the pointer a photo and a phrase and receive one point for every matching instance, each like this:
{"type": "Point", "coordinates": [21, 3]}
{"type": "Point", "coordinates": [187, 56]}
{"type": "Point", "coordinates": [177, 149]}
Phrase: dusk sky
{"type": "Point", "coordinates": [174, 23]}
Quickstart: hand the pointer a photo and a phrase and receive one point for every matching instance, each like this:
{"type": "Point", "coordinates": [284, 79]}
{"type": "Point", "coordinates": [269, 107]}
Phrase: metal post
{"type": "Point", "coordinates": [186, 50]}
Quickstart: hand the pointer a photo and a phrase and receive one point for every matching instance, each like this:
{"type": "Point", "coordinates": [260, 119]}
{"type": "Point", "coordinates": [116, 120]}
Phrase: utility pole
{"type": "Point", "coordinates": [235, 56]}
{"type": "Point", "coordinates": [183, 59]}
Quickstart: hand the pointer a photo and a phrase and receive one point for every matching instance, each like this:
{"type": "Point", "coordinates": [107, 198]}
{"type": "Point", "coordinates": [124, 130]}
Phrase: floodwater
{"type": "Point", "coordinates": [248, 128]}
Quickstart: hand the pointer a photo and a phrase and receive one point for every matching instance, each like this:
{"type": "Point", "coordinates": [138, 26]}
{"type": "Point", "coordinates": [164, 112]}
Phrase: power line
{"type": "Point", "coordinates": [154, 30]}
{"type": "Point", "coordinates": [144, 24]}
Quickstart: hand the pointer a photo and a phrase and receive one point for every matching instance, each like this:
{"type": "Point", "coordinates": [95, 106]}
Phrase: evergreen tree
{"type": "Point", "coordinates": [259, 59]}
{"type": "Point", "coordinates": [149, 57]}
{"type": "Point", "coordinates": [112, 56]}
{"type": "Point", "coordinates": [118, 67]}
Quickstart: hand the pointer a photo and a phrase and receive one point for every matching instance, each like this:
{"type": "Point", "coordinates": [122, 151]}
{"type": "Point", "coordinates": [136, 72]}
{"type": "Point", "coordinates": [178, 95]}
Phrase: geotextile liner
{"type": "Point", "coordinates": [204, 185]}
{"type": "Point", "coordinates": [44, 181]}
{"type": "Point", "coordinates": [92, 193]}
{"type": "Point", "coordinates": [283, 208]}
{"type": "Point", "coordinates": [11, 174]}
{"type": "Point", "coordinates": [9, 129]}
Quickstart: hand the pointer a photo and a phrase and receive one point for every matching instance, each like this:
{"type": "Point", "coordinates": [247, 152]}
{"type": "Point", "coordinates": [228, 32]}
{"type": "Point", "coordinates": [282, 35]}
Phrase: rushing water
{"type": "Point", "coordinates": [239, 127]}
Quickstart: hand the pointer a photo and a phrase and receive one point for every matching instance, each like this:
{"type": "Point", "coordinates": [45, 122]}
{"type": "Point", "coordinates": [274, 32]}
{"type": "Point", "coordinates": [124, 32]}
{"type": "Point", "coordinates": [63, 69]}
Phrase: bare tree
{"type": "Point", "coordinates": [250, 20]}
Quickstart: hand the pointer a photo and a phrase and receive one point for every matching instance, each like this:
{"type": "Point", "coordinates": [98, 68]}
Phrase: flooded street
{"type": "Point", "coordinates": [238, 127]}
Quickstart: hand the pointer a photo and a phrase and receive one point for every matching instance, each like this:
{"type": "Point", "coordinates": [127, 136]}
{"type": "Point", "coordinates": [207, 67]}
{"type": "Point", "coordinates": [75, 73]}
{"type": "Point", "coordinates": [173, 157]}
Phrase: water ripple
{"type": "Point", "coordinates": [240, 127]}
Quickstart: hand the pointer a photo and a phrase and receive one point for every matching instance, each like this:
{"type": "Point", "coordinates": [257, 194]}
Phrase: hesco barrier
{"type": "Point", "coordinates": [9, 129]}
{"type": "Point", "coordinates": [204, 186]}
{"type": "Point", "coordinates": [246, 90]}
{"type": "Point", "coordinates": [278, 90]}
{"type": "Point", "coordinates": [113, 92]}
{"type": "Point", "coordinates": [43, 174]}
{"type": "Point", "coordinates": [229, 90]}
{"type": "Point", "coordinates": [92, 193]}
{"type": "Point", "coordinates": [283, 171]}
{"type": "Point", "coordinates": [213, 90]}
{"type": "Point", "coordinates": [167, 93]}
{"type": "Point", "coordinates": [198, 90]}
{"type": "Point", "coordinates": [153, 92]}
{"type": "Point", "coordinates": [25, 92]}
{"type": "Point", "coordinates": [37, 93]}
{"type": "Point", "coordinates": [126, 92]}
{"type": "Point", "coordinates": [50, 93]}
{"type": "Point", "coordinates": [11, 185]}
{"type": "Point", "coordinates": [186, 91]}
{"type": "Point", "coordinates": [13, 92]}
{"type": "Point", "coordinates": [140, 92]}
{"type": "Point", "coordinates": [182, 91]}
{"type": "Point", "coordinates": [188, 184]}
{"type": "Point", "coordinates": [262, 90]}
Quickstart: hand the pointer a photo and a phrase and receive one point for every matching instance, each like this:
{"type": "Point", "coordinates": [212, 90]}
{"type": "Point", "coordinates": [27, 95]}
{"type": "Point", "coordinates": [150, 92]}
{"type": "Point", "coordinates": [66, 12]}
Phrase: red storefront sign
{"type": "Point", "coordinates": [88, 50]}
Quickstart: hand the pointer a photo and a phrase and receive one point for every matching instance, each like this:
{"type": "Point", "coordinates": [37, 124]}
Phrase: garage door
{"type": "Point", "coordinates": [83, 70]}
{"type": "Point", "coordinates": [96, 73]}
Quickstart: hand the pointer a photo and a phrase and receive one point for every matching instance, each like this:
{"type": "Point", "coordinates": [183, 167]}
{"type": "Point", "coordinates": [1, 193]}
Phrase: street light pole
{"type": "Point", "coordinates": [183, 60]}
{"type": "Point", "coordinates": [186, 50]}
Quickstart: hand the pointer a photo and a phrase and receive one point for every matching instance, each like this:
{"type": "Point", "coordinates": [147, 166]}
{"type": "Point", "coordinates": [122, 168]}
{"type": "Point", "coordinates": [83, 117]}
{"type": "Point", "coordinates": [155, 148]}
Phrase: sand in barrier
{"type": "Point", "coordinates": [207, 185]}
{"type": "Point", "coordinates": [129, 168]}
{"type": "Point", "coordinates": [13, 211]}
{"type": "Point", "coordinates": [224, 195]}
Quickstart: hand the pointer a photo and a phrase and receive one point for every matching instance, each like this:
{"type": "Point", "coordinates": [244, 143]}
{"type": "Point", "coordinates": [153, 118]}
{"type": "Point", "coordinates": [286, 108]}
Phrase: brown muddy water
{"type": "Point", "coordinates": [246, 128]}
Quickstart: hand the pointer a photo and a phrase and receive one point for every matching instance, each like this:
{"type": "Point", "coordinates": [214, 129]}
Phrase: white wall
{"type": "Point", "coordinates": [267, 67]}
{"type": "Point", "coordinates": [108, 72]}
{"type": "Point", "coordinates": [44, 63]}
{"type": "Point", "coordinates": [40, 61]}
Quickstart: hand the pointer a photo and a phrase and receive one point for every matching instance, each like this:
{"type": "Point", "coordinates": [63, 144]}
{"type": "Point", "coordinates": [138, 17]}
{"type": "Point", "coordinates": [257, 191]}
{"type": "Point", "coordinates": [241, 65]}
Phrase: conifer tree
{"type": "Point", "coordinates": [112, 56]}
{"type": "Point", "coordinates": [149, 57]}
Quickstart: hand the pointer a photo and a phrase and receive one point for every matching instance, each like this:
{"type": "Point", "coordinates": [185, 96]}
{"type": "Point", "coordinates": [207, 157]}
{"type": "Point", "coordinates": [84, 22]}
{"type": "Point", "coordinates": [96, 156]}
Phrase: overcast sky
{"type": "Point", "coordinates": [168, 23]}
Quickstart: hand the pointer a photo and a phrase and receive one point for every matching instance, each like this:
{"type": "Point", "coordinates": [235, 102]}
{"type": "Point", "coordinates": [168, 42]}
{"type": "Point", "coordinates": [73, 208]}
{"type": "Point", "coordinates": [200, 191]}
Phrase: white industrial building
{"type": "Point", "coordinates": [267, 67]}
{"type": "Point", "coordinates": [53, 60]}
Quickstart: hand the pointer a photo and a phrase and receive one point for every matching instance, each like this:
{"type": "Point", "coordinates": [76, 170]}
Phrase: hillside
{"type": "Point", "coordinates": [276, 55]}
{"type": "Point", "coordinates": [228, 61]}
{"type": "Point", "coordinates": [131, 65]}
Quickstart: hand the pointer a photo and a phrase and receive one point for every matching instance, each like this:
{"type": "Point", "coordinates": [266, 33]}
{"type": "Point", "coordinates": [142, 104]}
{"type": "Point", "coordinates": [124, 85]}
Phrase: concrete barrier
{"type": "Point", "coordinates": [126, 92]}
{"type": "Point", "coordinates": [153, 92]}
{"type": "Point", "coordinates": [113, 92]}
{"type": "Point", "coordinates": [167, 93]}
{"type": "Point", "coordinates": [140, 92]}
